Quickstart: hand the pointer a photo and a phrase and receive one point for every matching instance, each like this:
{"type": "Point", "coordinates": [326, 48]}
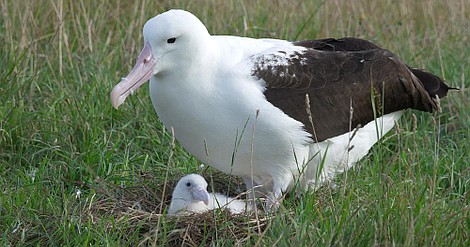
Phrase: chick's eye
{"type": "Point", "coordinates": [171, 40]}
{"type": "Point", "coordinates": [188, 184]}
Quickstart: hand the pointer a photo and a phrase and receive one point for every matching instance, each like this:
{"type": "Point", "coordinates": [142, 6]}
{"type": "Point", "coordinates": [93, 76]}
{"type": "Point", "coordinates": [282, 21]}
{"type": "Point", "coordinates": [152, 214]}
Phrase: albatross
{"type": "Point", "coordinates": [274, 112]}
{"type": "Point", "coordinates": [190, 195]}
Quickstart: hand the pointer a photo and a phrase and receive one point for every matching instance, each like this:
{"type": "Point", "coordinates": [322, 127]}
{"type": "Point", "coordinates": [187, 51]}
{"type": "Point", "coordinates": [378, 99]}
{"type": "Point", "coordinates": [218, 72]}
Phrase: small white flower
{"type": "Point", "coordinates": [201, 167]}
{"type": "Point", "coordinates": [77, 193]}
{"type": "Point", "coordinates": [32, 174]}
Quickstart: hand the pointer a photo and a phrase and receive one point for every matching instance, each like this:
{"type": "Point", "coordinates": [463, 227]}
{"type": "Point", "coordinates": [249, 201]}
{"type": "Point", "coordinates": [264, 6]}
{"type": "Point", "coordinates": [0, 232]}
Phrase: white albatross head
{"type": "Point", "coordinates": [171, 40]}
{"type": "Point", "coordinates": [190, 194]}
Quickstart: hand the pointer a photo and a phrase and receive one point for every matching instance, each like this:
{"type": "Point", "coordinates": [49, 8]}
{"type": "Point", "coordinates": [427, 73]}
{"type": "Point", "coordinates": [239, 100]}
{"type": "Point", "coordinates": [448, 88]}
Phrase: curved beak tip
{"type": "Point", "coordinates": [116, 97]}
{"type": "Point", "coordinates": [201, 195]}
{"type": "Point", "coordinates": [142, 71]}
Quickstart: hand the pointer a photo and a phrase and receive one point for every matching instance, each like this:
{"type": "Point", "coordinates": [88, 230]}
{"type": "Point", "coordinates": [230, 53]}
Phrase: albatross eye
{"type": "Point", "coordinates": [171, 40]}
{"type": "Point", "coordinates": [188, 184]}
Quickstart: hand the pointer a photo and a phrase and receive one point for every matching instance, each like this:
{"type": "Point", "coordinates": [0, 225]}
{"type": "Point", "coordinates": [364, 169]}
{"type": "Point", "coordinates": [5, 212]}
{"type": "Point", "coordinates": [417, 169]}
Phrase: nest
{"type": "Point", "coordinates": [143, 207]}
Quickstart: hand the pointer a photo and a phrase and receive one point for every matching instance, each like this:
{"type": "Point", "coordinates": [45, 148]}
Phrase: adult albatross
{"type": "Point", "coordinates": [240, 104]}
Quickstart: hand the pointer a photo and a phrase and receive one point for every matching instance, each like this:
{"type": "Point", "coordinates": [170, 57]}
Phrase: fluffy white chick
{"type": "Point", "coordinates": [190, 195]}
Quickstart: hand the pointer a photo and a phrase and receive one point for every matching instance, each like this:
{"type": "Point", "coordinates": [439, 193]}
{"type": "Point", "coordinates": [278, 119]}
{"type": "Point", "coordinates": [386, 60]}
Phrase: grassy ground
{"type": "Point", "coordinates": [74, 171]}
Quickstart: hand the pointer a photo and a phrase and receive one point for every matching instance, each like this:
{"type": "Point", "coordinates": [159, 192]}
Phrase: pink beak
{"type": "Point", "coordinates": [141, 73]}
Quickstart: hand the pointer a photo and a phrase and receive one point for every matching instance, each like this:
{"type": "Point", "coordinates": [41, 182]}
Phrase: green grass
{"type": "Point", "coordinates": [69, 162]}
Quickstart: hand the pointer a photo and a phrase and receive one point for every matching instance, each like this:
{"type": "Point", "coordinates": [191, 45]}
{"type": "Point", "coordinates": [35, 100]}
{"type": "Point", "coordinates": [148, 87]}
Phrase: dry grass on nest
{"type": "Point", "coordinates": [142, 207]}
{"type": "Point", "coordinates": [206, 228]}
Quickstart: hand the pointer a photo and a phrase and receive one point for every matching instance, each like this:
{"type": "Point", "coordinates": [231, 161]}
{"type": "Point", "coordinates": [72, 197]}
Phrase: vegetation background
{"type": "Point", "coordinates": [74, 171]}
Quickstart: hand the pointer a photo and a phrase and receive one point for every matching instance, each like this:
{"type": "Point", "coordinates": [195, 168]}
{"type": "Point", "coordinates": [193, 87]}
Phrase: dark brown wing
{"type": "Point", "coordinates": [343, 44]}
{"type": "Point", "coordinates": [432, 83]}
{"type": "Point", "coordinates": [350, 74]}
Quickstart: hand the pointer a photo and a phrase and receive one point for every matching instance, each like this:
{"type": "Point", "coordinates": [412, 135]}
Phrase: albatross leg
{"type": "Point", "coordinates": [250, 189]}
{"type": "Point", "coordinates": [274, 198]}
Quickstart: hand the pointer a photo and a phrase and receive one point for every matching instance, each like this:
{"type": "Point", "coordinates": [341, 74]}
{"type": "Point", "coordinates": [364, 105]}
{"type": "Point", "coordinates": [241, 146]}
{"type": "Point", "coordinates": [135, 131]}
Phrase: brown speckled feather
{"type": "Point", "coordinates": [338, 72]}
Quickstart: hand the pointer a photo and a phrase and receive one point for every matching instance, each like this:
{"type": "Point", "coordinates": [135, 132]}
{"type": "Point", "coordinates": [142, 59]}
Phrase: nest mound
{"type": "Point", "coordinates": [144, 207]}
